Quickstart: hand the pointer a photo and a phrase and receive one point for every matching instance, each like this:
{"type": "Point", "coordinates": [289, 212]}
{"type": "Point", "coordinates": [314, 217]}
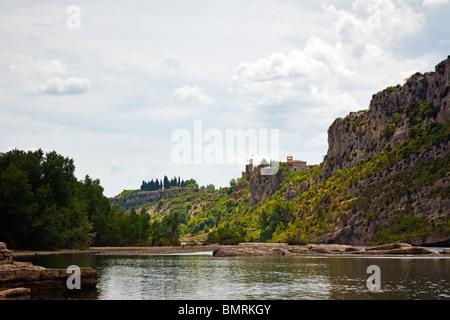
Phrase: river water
{"type": "Point", "coordinates": [202, 276]}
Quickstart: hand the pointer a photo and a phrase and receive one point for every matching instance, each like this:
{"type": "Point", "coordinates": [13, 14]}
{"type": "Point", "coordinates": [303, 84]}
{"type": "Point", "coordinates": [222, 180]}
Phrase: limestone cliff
{"type": "Point", "coordinates": [392, 114]}
{"type": "Point", "coordinates": [263, 186]}
{"type": "Point", "coordinates": [397, 115]}
{"type": "Point", "coordinates": [386, 175]}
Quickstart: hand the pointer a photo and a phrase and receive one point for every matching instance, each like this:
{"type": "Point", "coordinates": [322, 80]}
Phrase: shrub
{"type": "Point", "coordinates": [387, 131]}
{"type": "Point", "coordinates": [293, 240]}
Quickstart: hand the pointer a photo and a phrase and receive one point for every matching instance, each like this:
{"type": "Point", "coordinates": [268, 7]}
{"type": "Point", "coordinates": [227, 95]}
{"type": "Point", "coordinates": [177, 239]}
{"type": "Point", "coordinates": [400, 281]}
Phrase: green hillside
{"type": "Point", "coordinates": [385, 178]}
{"type": "Point", "coordinates": [318, 208]}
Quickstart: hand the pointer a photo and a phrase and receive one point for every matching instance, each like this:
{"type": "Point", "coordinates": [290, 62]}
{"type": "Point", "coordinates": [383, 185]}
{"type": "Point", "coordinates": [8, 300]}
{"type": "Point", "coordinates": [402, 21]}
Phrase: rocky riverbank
{"type": "Point", "coordinates": [283, 249]}
{"type": "Point", "coordinates": [18, 279]}
{"type": "Point", "coordinates": [125, 250]}
{"type": "Point", "coordinates": [255, 249]}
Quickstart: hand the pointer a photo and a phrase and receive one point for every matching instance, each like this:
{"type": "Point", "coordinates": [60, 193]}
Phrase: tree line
{"type": "Point", "coordinates": [44, 206]}
{"type": "Point", "coordinates": [165, 183]}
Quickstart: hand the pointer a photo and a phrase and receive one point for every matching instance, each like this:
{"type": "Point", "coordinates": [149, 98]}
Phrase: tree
{"type": "Point", "coordinates": [276, 214]}
{"type": "Point", "coordinates": [170, 226]}
{"type": "Point", "coordinates": [191, 183]}
{"type": "Point", "coordinates": [226, 235]}
{"type": "Point", "coordinates": [42, 205]}
{"type": "Point", "coordinates": [166, 183]}
{"type": "Point", "coordinates": [58, 172]}
{"type": "Point", "coordinates": [233, 183]}
{"type": "Point", "coordinates": [16, 206]}
{"type": "Point", "coordinates": [264, 162]}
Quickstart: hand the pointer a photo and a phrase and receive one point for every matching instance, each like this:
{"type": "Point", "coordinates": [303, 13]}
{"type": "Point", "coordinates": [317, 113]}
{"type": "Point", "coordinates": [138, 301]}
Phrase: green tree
{"type": "Point", "coordinates": [190, 183]}
{"type": "Point", "coordinates": [276, 214]}
{"type": "Point", "coordinates": [58, 172]}
{"type": "Point", "coordinates": [227, 235]}
{"type": "Point", "coordinates": [16, 206]}
{"type": "Point", "coordinates": [171, 227]}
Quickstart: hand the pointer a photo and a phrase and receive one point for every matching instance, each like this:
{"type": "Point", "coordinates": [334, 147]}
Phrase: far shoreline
{"type": "Point", "coordinates": [121, 250]}
{"type": "Point", "coordinates": [254, 249]}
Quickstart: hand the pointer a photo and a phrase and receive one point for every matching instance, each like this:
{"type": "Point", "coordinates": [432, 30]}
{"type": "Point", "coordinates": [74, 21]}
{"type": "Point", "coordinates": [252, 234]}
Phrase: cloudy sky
{"type": "Point", "coordinates": [110, 86]}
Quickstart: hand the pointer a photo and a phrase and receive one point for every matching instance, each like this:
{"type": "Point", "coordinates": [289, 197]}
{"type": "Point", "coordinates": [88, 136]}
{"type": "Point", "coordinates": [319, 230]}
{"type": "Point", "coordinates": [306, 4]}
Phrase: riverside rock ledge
{"type": "Point", "coordinates": [283, 249]}
{"type": "Point", "coordinates": [14, 274]}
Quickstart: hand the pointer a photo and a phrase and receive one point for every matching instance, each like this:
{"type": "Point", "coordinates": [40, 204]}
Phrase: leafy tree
{"type": "Point", "coordinates": [275, 214]}
{"type": "Point", "coordinates": [227, 235]}
{"type": "Point", "coordinates": [190, 182]}
{"type": "Point", "coordinates": [170, 225]}
{"type": "Point", "coordinates": [16, 206]}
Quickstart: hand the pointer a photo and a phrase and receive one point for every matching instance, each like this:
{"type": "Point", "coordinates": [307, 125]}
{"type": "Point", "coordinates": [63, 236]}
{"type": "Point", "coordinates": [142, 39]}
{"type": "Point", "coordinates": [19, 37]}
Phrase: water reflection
{"type": "Point", "coordinates": [206, 277]}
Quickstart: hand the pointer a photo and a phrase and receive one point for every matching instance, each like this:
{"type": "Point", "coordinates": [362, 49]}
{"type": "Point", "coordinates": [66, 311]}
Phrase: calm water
{"type": "Point", "coordinates": [209, 278]}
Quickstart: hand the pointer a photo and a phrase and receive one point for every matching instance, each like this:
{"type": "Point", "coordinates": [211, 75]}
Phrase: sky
{"type": "Point", "coordinates": [134, 90]}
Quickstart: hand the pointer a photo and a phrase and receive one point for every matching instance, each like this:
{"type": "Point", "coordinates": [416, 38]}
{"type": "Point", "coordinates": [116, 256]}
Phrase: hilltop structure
{"type": "Point", "coordinates": [295, 165]}
{"type": "Point", "coordinates": [292, 165]}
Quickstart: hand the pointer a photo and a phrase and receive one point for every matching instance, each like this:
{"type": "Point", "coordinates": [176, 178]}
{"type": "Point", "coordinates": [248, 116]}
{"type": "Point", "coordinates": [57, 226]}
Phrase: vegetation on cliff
{"type": "Point", "coordinates": [384, 179]}
{"type": "Point", "coordinates": [381, 199]}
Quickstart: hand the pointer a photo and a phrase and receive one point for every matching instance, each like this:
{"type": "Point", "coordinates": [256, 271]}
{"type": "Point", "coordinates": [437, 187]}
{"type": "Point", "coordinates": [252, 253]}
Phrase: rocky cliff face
{"type": "Point", "coordinates": [392, 115]}
{"type": "Point", "coordinates": [262, 186]}
{"type": "Point", "coordinates": [395, 115]}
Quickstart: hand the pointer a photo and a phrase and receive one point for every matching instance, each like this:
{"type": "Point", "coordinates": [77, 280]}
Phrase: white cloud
{"type": "Point", "coordinates": [434, 2]}
{"type": "Point", "coordinates": [192, 95]}
{"type": "Point", "coordinates": [381, 22]}
{"type": "Point", "coordinates": [38, 76]}
{"type": "Point", "coordinates": [303, 90]}
{"type": "Point", "coordinates": [299, 79]}
{"type": "Point", "coordinates": [60, 86]}
{"type": "Point", "coordinates": [325, 72]}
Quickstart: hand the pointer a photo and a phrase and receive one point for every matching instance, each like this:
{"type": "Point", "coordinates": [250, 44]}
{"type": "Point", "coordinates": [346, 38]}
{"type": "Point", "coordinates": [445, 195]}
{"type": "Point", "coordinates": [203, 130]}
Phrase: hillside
{"type": "Point", "coordinates": [385, 178]}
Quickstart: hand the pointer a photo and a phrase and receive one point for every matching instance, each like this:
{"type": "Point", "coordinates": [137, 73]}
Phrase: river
{"type": "Point", "coordinates": [202, 276]}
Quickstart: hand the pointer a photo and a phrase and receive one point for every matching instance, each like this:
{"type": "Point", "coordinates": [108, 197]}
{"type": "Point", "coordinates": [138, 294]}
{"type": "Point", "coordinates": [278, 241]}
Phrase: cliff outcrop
{"type": "Point", "coordinates": [415, 116]}
{"type": "Point", "coordinates": [393, 113]}
{"type": "Point", "coordinates": [386, 175]}
{"type": "Point", "coordinates": [263, 186]}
